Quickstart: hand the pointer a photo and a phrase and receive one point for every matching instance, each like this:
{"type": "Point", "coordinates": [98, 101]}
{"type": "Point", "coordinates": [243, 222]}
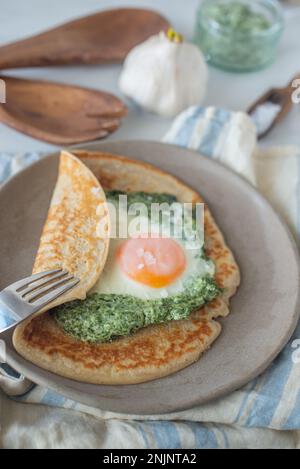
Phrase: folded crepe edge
{"type": "Point", "coordinates": [75, 235]}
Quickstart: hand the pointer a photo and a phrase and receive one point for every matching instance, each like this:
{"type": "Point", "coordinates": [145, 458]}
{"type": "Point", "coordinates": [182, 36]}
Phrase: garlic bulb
{"type": "Point", "coordinates": [164, 74]}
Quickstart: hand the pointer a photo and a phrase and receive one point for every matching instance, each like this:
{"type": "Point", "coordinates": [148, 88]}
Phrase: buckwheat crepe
{"type": "Point", "coordinates": [151, 352]}
{"type": "Point", "coordinates": [71, 238]}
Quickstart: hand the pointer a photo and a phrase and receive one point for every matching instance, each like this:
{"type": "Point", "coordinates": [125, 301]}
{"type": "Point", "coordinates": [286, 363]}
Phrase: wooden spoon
{"type": "Point", "coordinates": [103, 37]}
{"type": "Point", "coordinates": [60, 114]}
{"type": "Point", "coordinates": [281, 98]}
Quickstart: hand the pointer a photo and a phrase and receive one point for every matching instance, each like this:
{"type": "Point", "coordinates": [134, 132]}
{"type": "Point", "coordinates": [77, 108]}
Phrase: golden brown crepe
{"type": "Point", "coordinates": [70, 238]}
{"type": "Point", "coordinates": [152, 352]}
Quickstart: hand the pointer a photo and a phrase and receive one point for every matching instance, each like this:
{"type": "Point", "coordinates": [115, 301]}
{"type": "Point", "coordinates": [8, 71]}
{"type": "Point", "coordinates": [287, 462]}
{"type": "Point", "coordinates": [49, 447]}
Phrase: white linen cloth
{"type": "Point", "coordinates": [265, 413]}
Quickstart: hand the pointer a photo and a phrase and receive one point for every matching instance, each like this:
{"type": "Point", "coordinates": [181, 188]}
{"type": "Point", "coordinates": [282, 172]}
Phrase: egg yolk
{"type": "Point", "coordinates": [155, 262]}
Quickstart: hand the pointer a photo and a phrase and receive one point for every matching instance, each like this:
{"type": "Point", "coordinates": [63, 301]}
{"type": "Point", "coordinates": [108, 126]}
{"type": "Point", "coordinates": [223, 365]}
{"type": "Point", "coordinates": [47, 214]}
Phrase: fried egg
{"type": "Point", "coordinates": [150, 266]}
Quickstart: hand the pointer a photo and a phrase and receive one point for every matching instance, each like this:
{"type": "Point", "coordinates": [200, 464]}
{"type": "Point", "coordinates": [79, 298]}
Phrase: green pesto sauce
{"type": "Point", "coordinates": [235, 35]}
{"type": "Point", "coordinates": [102, 317]}
{"type": "Point", "coordinates": [238, 17]}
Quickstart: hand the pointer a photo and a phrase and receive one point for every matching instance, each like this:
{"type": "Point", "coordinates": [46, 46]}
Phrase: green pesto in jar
{"type": "Point", "coordinates": [238, 35]}
{"type": "Point", "coordinates": [238, 17]}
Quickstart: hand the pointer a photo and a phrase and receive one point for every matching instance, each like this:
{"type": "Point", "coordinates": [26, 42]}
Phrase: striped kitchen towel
{"type": "Point", "coordinates": [264, 413]}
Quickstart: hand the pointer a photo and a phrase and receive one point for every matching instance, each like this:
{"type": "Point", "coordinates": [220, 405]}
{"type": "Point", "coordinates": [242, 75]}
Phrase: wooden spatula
{"type": "Point", "coordinates": [57, 113]}
{"type": "Point", "coordinates": [103, 37]}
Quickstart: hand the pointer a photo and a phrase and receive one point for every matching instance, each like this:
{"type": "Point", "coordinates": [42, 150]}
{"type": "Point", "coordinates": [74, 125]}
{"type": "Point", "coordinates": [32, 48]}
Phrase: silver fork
{"type": "Point", "coordinates": [29, 295]}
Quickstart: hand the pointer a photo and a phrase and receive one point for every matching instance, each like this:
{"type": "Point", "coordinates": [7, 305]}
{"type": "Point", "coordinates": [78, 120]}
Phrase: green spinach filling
{"type": "Point", "coordinates": [102, 317]}
{"type": "Point", "coordinates": [141, 197]}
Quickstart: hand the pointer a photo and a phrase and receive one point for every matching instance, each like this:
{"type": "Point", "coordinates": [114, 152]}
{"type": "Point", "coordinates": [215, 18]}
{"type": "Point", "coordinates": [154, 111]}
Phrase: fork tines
{"type": "Point", "coordinates": [43, 287]}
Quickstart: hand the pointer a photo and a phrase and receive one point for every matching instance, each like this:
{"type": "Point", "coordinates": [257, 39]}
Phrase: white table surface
{"type": "Point", "coordinates": [233, 91]}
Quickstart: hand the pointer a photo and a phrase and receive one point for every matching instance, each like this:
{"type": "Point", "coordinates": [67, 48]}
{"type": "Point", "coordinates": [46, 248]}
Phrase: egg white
{"type": "Point", "coordinates": [113, 280]}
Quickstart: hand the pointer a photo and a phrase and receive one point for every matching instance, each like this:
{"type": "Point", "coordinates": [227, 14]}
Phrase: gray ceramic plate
{"type": "Point", "coordinates": [264, 312]}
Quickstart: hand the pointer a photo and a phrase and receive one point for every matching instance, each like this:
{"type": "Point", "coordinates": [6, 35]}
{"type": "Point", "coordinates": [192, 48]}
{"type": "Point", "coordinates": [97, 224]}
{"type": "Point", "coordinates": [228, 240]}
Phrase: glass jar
{"type": "Point", "coordinates": [239, 35]}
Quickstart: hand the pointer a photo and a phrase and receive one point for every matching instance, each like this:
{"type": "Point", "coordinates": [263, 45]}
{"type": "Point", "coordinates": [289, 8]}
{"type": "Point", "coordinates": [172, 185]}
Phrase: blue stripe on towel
{"type": "Point", "coordinates": [270, 394]}
{"type": "Point", "coordinates": [6, 316]}
{"type": "Point", "coordinates": [7, 163]}
{"type": "Point", "coordinates": [144, 435]}
{"type": "Point", "coordinates": [214, 130]}
{"type": "Point", "coordinates": [248, 389]}
{"type": "Point", "coordinates": [185, 133]}
{"type": "Point", "coordinates": [5, 321]}
{"type": "Point", "coordinates": [204, 437]}
{"type": "Point", "coordinates": [31, 157]}
{"type": "Point", "coordinates": [53, 399]}
{"type": "Point", "coordinates": [293, 421]}
{"type": "Point", "coordinates": [165, 434]}
{"type": "Point", "coordinates": [225, 437]}
{"type": "Point", "coordinates": [5, 166]}
{"type": "Point", "coordinates": [268, 399]}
